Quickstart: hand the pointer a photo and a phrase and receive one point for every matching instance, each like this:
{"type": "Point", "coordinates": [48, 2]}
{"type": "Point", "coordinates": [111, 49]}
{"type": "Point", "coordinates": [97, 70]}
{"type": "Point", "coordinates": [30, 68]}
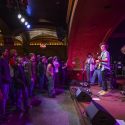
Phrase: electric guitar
{"type": "Point", "coordinates": [98, 64]}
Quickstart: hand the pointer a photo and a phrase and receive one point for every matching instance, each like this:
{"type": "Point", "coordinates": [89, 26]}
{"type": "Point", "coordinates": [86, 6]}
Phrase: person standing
{"type": "Point", "coordinates": [97, 74]}
{"type": "Point", "coordinates": [21, 87]}
{"type": "Point", "coordinates": [5, 79]}
{"type": "Point", "coordinates": [12, 63]}
{"type": "Point", "coordinates": [104, 60]}
{"type": "Point", "coordinates": [89, 67]}
{"type": "Point", "coordinates": [33, 73]}
{"type": "Point", "coordinates": [1, 94]}
{"type": "Point", "coordinates": [56, 71]}
{"type": "Point", "coordinates": [41, 71]}
{"type": "Point", "coordinates": [50, 77]}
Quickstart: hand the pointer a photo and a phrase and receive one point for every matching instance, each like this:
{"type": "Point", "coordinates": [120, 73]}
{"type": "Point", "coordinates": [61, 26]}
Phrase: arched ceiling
{"type": "Point", "coordinates": [41, 14]}
{"type": "Point", "coordinates": [46, 11]}
{"type": "Point", "coordinates": [89, 20]}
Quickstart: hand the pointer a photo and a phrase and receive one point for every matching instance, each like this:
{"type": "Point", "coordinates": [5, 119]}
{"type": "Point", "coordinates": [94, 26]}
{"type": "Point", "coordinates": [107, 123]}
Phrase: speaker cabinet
{"type": "Point", "coordinates": [83, 95]}
{"type": "Point", "coordinates": [98, 115]}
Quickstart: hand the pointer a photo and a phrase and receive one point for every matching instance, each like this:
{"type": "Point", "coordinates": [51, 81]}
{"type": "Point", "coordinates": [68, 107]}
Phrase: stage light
{"type": "Point", "coordinates": [26, 23]}
{"type": "Point", "coordinates": [22, 20]}
{"type": "Point", "coordinates": [19, 16]}
{"type": "Point", "coordinates": [28, 26]}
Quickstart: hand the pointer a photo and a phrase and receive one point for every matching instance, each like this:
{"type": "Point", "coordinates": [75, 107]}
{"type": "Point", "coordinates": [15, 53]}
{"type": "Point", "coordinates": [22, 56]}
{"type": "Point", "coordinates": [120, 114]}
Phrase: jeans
{"type": "Point", "coordinates": [56, 79]}
{"type": "Point", "coordinates": [5, 92]}
{"type": "Point", "coordinates": [51, 89]}
{"type": "Point", "coordinates": [22, 98]}
{"type": "Point", "coordinates": [105, 77]}
{"type": "Point", "coordinates": [89, 75]}
{"type": "Point", "coordinates": [41, 81]}
{"type": "Point", "coordinates": [31, 87]}
{"type": "Point", "coordinates": [97, 74]}
{"type": "Point", "coordinates": [12, 93]}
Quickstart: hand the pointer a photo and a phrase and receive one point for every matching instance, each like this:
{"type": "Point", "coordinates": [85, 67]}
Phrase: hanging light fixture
{"type": "Point", "coordinates": [22, 20]}
{"type": "Point", "coordinates": [19, 16]}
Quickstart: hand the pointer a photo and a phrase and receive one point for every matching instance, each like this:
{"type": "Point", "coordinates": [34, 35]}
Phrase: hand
{"type": "Point", "coordinates": [97, 61]}
{"type": "Point", "coordinates": [99, 57]}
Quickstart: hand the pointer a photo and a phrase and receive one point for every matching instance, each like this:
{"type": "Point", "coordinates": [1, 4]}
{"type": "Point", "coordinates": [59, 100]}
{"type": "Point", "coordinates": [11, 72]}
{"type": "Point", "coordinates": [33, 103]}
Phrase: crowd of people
{"type": "Point", "coordinates": [21, 75]}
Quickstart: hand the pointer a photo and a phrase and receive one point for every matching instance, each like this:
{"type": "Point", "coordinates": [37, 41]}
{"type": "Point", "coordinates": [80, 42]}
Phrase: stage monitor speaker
{"type": "Point", "coordinates": [83, 95]}
{"type": "Point", "coordinates": [98, 115]}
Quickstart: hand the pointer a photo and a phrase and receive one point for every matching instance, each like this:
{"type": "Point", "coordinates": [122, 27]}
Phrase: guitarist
{"type": "Point", "coordinates": [97, 73]}
{"type": "Point", "coordinates": [104, 59]}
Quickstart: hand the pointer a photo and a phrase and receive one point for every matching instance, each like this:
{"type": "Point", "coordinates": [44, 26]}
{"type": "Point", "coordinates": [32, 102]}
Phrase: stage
{"type": "Point", "coordinates": [113, 102]}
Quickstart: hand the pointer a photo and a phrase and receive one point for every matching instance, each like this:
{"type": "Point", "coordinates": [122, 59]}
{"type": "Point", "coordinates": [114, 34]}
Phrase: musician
{"type": "Point", "coordinates": [97, 74]}
{"type": "Point", "coordinates": [104, 60]}
{"type": "Point", "coordinates": [89, 67]}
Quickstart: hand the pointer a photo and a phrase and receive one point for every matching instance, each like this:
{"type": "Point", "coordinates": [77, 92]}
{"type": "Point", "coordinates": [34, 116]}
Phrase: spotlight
{"type": "Point", "coordinates": [26, 23]}
{"type": "Point", "coordinates": [22, 20]}
{"type": "Point", "coordinates": [19, 16]}
{"type": "Point", "coordinates": [28, 26]}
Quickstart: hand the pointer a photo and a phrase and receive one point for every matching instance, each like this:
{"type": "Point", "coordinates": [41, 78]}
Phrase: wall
{"type": "Point", "coordinates": [92, 24]}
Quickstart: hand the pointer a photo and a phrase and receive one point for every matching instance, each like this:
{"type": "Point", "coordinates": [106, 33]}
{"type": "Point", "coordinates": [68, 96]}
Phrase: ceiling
{"type": "Point", "coordinates": [89, 18]}
{"type": "Point", "coordinates": [46, 11]}
{"type": "Point", "coordinates": [39, 14]}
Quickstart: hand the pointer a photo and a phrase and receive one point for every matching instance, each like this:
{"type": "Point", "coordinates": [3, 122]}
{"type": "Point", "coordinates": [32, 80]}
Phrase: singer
{"type": "Point", "coordinates": [104, 60]}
